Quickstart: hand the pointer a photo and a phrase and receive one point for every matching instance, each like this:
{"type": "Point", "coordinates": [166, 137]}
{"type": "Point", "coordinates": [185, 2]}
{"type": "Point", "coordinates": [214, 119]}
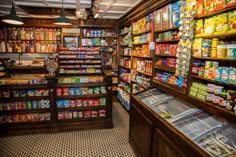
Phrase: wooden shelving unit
{"type": "Point", "coordinates": [165, 68]}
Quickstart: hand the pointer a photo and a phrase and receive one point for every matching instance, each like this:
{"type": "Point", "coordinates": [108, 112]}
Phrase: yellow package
{"type": "Point", "coordinates": [197, 47]}
{"type": "Point", "coordinates": [199, 27]}
{"type": "Point", "coordinates": [232, 21]}
{"type": "Point", "coordinates": [209, 26]}
{"type": "Point", "coordinates": [221, 26]}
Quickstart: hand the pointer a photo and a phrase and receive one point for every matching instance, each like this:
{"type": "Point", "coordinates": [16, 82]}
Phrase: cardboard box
{"type": "Point", "coordinates": [221, 26]}
{"type": "Point", "coordinates": [175, 11]}
{"type": "Point", "coordinates": [157, 20]}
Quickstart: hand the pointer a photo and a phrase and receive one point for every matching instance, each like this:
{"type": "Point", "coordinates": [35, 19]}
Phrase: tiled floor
{"type": "Point", "coordinates": [84, 143]}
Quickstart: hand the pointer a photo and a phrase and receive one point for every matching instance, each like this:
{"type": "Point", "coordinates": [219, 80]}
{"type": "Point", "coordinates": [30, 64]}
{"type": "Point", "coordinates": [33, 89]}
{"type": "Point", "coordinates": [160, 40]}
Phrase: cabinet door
{"type": "Point", "coordinates": [140, 132]}
{"type": "Point", "coordinates": [163, 147]}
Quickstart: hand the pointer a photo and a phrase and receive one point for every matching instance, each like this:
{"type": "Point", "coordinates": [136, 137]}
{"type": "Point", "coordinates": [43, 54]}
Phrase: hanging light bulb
{"type": "Point", "coordinates": [12, 18]}
{"type": "Point", "coordinates": [62, 20]}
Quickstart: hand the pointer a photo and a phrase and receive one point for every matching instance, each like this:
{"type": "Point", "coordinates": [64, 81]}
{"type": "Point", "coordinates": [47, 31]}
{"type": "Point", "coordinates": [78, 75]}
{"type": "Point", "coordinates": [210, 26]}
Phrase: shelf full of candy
{"type": "Point", "coordinates": [98, 33]}
{"type": "Point", "coordinates": [125, 30]}
{"type": "Point", "coordinates": [143, 66]}
{"type": "Point", "coordinates": [142, 25]}
{"type": "Point", "coordinates": [140, 79]}
{"type": "Point", "coordinates": [214, 94]}
{"type": "Point", "coordinates": [214, 71]}
{"type": "Point", "coordinates": [124, 97]}
{"type": "Point", "coordinates": [124, 75]}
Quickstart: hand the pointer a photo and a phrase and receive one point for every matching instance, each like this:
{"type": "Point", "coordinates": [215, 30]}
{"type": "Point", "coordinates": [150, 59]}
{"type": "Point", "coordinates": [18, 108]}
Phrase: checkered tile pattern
{"type": "Point", "coordinates": [84, 143]}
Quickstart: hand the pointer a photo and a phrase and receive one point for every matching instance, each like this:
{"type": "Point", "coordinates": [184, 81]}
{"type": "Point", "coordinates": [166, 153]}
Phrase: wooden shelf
{"type": "Point", "coordinates": [80, 67]}
{"type": "Point", "coordinates": [79, 53]}
{"type": "Point", "coordinates": [80, 58]}
{"type": "Point", "coordinates": [165, 30]}
{"type": "Point", "coordinates": [123, 80]}
{"type": "Point", "coordinates": [222, 36]}
{"type": "Point", "coordinates": [125, 55]}
{"type": "Point", "coordinates": [169, 41]}
{"type": "Point", "coordinates": [11, 99]}
{"type": "Point", "coordinates": [24, 86]}
{"type": "Point", "coordinates": [164, 55]}
{"type": "Point", "coordinates": [218, 108]}
{"type": "Point", "coordinates": [25, 67]}
{"type": "Point", "coordinates": [139, 84]}
{"type": "Point", "coordinates": [137, 34]}
{"type": "Point", "coordinates": [33, 123]}
{"type": "Point", "coordinates": [217, 12]}
{"type": "Point", "coordinates": [80, 119]}
{"type": "Point", "coordinates": [137, 44]}
{"type": "Point", "coordinates": [124, 34]}
{"type": "Point", "coordinates": [144, 73]}
{"type": "Point", "coordinates": [26, 111]}
{"type": "Point", "coordinates": [216, 59]}
{"type": "Point", "coordinates": [79, 73]}
{"type": "Point", "coordinates": [47, 40]}
{"type": "Point", "coordinates": [81, 108]}
{"type": "Point", "coordinates": [98, 37]}
{"type": "Point", "coordinates": [81, 96]}
{"type": "Point", "coordinates": [124, 45]}
{"type": "Point", "coordinates": [170, 86]}
{"type": "Point", "coordinates": [165, 68]}
{"type": "Point", "coordinates": [124, 67]}
{"type": "Point", "coordinates": [91, 84]}
{"type": "Point", "coordinates": [28, 52]}
{"type": "Point", "coordinates": [145, 57]}
{"type": "Point", "coordinates": [79, 63]}
{"type": "Point", "coordinates": [213, 81]}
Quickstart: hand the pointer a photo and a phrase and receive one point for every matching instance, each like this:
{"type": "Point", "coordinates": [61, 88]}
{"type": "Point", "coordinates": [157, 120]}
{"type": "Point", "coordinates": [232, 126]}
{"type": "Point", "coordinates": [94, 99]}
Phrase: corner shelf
{"type": "Point", "coordinates": [213, 81]}
{"type": "Point", "coordinates": [81, 96]}
{"type": "Point", "coordinates": [165, 68]}
{"type": "Point", "coordinates": [170, 86]}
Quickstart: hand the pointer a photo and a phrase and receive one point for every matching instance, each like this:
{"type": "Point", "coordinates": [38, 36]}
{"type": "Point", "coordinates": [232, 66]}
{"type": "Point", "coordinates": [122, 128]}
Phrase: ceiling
{"type": "Point", "coordinates": [108, 9]}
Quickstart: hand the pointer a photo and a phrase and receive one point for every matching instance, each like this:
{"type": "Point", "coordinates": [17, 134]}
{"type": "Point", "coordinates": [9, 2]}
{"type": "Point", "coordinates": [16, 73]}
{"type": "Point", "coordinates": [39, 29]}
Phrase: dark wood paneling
{"type": "Point", "coordinates": [140, 132]}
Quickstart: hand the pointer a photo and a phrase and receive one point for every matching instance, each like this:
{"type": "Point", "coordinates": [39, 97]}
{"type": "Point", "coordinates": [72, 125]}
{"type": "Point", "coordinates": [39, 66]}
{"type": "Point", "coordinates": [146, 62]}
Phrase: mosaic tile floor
{"type": "Point", "coordinates": [84, 143]}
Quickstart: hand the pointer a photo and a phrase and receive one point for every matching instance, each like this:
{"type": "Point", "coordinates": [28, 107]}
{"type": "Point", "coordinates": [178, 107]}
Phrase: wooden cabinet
{"type": "Point", "coordinates": [163, 147]}
{"type": "Point", "coordinates": [140, 132]}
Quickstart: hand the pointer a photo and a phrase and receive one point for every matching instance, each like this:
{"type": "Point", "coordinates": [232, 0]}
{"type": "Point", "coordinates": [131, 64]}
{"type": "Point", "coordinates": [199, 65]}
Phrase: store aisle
{"type": "Point", "coordinates": [85, 143]}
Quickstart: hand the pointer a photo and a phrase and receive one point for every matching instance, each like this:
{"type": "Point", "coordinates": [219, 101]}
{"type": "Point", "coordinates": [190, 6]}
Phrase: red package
{"type": "Point", "coordinates": [72, 103]}
{"type": "Point", "coordinates": [65, 91]}
{"type": "Point", "coordinates": [85, 102]}
{"type": "Point", "coordinates": [79, 103]}
{"type": "Point", "coordinates": [87, 114]}
{"type": "Point", "coordinates": [200, 8]}
{"type": "Point", "coordinates": [90, 102]}
{"type": "Point", "coordinates": [58, 91]}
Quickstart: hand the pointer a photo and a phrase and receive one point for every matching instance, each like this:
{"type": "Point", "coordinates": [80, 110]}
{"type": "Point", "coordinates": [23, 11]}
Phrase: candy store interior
{"type": "Point", "coordinates": [112, 78]}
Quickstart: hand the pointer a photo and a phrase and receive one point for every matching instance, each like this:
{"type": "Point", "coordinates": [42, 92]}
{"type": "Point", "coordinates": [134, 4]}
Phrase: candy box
{"type": "Point", "coordinates": [102, 113]}
{"type": "Point", "coordinates": [71, 91]}
{"type": "Point", "coordinates": [209, 25]}
{"type": "Point", "coordinates": [221, 25]}
{"type": "Point", "coordinates": [198, 27]}
{"type": "Point", "coordinates": [232, 21]}
{"type": "Point", "coordinates": [85, 102]}
{"type": "Point", "coordinates": [165, 16]}
{"type": "Point", "coordinates": [75, 115]}
{"type": "Point", "coordinates": [87, 114]}
{"type": "Point", "coordinates": [90, 102]}
{"type": "Point", "coordinates": [206, 47]}
{"type": "Point", "coordinates": [200, 8]}
{"type": "Point", "coordinates": [75, 80]}
{"type": "Point", "coordinates": [60, 103]}
{"type": "Point", "coordinates": [94, 113]}
{"type": "Point", "coordinates": [102, 101]}
{"type": "Point", "coordinates": [79, 102]}
{"type": "Point", "coordinates": [229, 3]}
{"type": "Point", "coordinates": [175, 17]}
{"type": "Point", "coordinates": [72, 103]}
{"type": "Point", "coordinates": [65, 91]}
{"type": "Point", "coordinates": [66, 103]}
{"type": "Point", "coordinates": [157, 20]}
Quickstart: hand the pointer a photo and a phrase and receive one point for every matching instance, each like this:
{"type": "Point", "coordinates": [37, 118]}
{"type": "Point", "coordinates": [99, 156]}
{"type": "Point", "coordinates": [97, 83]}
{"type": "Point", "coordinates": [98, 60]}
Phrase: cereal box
{"type": "Point", "coordinates": [221, 26]}
{"type": "Point", "coordinates": [209, 6]}
{"type": "Point", "coordinates": [229, 3]}
{"type": "Point", "coordinates": [175, 18]}
{"type": "Point", "coordinates": [232, 21]}
{"type": "Point", "coordinates": [165, 17]}
{"type": "Point", "coordinates": [198, 27]}
{"type": "Point", "coordinates": [157, 20]}
{"type": "Point", "coordinates": [209, 26]}
{"type": "Point", "coordinates": [200, 8]}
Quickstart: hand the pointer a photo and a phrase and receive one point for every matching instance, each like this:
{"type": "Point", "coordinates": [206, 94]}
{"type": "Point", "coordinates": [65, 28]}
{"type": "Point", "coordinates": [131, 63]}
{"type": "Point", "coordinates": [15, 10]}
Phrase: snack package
{"type": "Point", "coordinates": [232, 21]}
{"type": "Point", "coordinates": [60, 103]}
{"type": "Point", "coordinates": [206, 47]}
{"type": "Point", "coordinates": [87, 114]}
{"type": "Point", "coordinates": [85, 102]}
{"type": "Point", "coordinates": [197, 47]}
{"type": "Point", "coordinates": [209, 25]}
{"type": "Point", "coordinates": [65, 91]}
{"type": "Point", "coordinates": [79, 103]}
{"type": "Point", "coordinates": [102, 101]}
{"type": "Point", "coordinates": [66, 103]}
{"type": "Point", "coordinates": [219, 4]}
{"type": "Point", "coordinates": [200, 8]}
{"type": "Point", "coordinates": [94, 113]}
{"type": "Point", "coordinates": [221, 24]}
{"type": "Point", "coordinates": [103, 90]}
{"type": "Point", "coordinates": [71, 91]}
{"type": "Point", "coordinates": [75, 115]}
{"type": "Point", "coordinates": [175, 17]}
{"type": "Point", "coordinates": [90, 102]}
{"type": "Point", "coordinates": [165, 17]}
{"type": "Point", "coordinates": [198, 27]}
{"type": "Point", "coordinates": [102, 113]}
{"type": "Point", "coordinates": [209, 6]}
{"type": "Point", "coordinates": [58, 91]}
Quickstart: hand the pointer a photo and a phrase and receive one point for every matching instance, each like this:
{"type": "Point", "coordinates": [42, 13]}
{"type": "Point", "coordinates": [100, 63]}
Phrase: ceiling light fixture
{"type": "Point", "coordinates": [12, 18]}
{"type": "Point", "coordinates": [62, 20]}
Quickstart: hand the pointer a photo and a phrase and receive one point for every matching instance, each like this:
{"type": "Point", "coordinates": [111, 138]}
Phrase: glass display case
{"type": "Point", "coordinates": [219, 142]}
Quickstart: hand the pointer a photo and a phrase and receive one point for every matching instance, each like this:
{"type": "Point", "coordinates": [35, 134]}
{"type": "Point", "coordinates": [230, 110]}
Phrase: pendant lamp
{"type": "Point", "coordinates": [62, 20]}
{"type": "Point", "coordinates": [12, 18]}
